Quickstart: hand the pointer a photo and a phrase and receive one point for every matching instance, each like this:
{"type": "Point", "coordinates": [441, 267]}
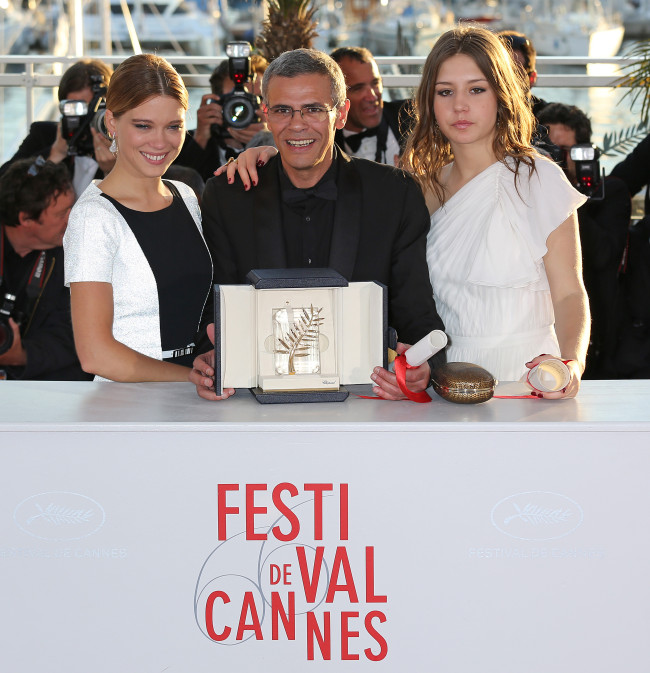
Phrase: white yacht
{"type": "Point", "coordinates": [179, 24]}
{"type": "Point", "coordinates": [578, 28]}
{"type": "Point", "coordinates": [408, 27]}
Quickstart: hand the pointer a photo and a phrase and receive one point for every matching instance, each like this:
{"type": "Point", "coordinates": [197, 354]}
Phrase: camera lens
{"type": "Point", "coordinates": [6, 333]}
{"type": "Point", "coordinates": [98, 122]}
{"type": "Point", "coordinates": [238, 112]}
{"type": "Point", "coordinates": [6, 336]}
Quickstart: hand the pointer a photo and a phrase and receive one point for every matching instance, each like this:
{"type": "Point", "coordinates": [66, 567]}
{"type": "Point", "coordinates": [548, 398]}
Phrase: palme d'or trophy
{"type": "Point", "coordinates": [297, 345]}
{"type": "Point", "coordinates": [299, 335]}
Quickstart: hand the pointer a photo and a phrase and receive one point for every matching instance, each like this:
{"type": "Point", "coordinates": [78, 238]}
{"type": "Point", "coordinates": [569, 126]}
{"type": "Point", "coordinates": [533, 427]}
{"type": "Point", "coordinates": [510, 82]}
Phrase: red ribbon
{"type": "Point", "coordinates": [401, 365]}
{"type": "Point", "coordinates": [516, 397]}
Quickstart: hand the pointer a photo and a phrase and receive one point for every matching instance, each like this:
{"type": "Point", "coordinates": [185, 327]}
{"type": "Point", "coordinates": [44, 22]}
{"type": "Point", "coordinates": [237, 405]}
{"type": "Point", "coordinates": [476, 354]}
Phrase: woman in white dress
{"type": "Point", "coordinates": [503, 249]}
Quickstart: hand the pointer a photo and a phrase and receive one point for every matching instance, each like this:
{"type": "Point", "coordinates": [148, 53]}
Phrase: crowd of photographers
{"type": "Point", "coordinates": [57, 161]}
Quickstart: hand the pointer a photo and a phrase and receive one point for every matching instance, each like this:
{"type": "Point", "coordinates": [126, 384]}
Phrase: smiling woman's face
{"type": "Point", "coordinates": [150, 136]}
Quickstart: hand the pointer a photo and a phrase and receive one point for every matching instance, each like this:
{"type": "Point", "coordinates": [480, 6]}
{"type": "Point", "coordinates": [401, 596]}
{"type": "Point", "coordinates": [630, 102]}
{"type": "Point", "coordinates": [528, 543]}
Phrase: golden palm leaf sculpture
{"type": "Point", "coordinates": [301, 336]}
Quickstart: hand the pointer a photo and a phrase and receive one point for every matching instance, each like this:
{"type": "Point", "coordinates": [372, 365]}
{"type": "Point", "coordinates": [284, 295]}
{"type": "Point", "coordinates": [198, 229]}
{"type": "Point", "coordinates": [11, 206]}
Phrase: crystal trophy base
{"type": "Point", "coordinates": [300, 396]}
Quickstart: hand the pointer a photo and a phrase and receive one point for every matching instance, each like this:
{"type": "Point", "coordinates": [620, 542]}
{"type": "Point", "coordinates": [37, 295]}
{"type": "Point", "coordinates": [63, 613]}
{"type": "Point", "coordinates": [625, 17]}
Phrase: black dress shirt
{"type": "Point", "coordinates": [307, 223]}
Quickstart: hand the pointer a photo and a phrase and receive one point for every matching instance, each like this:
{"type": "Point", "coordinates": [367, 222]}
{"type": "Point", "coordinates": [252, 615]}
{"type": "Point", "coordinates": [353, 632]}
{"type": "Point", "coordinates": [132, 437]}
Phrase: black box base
{"type": "Point", "coordinates": [301, 396]}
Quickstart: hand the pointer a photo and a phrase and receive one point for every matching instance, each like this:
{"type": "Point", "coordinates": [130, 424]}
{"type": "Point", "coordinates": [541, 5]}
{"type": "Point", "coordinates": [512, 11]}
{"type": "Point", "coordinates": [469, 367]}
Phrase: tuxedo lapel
{"type": "Point", "coordinates": [347, 218]}
{"type": "Point", "coordinates": [267, 221]}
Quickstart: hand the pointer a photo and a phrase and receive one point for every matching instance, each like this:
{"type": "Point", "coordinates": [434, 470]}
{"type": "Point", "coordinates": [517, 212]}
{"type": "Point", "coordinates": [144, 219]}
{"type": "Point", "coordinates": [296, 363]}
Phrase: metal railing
{"type": "Point", "coordinates": [29, 78]}
{"type": "Point", "coordinates": [29, 74]}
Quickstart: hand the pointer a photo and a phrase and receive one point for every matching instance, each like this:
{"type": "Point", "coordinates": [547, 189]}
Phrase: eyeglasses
{"type": "Point", "coordinates": [312, 114]}
{"type": "Point", "coordinates": [33, 170]}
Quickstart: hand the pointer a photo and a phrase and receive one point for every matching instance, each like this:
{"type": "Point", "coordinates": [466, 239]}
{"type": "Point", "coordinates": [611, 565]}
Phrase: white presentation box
{"type": "Point", "coordinates": [298, 335]}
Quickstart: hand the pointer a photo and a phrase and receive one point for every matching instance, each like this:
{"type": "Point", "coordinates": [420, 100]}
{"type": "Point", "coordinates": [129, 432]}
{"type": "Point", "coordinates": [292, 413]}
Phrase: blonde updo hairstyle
{"type": "Point", "coordinates": [141, 77]}
{"type": "Point", "coordinates": [427, 149]}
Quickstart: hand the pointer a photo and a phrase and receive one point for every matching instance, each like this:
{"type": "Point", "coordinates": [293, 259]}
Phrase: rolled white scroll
{"type": "Point", "coordinates": [426, 348]}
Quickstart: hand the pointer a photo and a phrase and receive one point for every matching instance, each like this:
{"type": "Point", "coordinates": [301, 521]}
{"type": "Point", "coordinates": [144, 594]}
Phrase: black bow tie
{"type": "Point", "coordinates": [323, 190]}
{"type": "Point", "coordinates": [354, 141]}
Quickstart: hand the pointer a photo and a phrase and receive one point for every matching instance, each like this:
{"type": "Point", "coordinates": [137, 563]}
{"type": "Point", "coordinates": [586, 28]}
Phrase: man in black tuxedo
{"type": "Point", "coordinates": [317, 207]}
{"type": "Point", "coordinates": [45, 137]}
{"type": "Point", "coordinates": [375, 129]}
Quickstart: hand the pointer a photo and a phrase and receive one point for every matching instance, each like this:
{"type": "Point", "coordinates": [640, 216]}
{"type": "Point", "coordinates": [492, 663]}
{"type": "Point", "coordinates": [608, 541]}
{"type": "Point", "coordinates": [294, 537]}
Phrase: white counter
{"type": "Point", "coordinates": [159, 406]}
{"type": "Point", "coordinates": [505, 536]}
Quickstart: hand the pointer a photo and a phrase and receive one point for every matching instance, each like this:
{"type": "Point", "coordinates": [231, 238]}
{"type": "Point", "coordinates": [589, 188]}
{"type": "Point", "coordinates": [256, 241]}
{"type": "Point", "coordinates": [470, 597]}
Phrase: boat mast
{"type": "Point", "coordinates": [76, 45]}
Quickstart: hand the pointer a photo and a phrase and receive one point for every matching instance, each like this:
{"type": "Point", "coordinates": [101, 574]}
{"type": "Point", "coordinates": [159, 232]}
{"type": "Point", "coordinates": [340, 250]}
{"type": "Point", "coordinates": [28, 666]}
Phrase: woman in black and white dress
{"type": "Point", "coordinates": [135, 259]}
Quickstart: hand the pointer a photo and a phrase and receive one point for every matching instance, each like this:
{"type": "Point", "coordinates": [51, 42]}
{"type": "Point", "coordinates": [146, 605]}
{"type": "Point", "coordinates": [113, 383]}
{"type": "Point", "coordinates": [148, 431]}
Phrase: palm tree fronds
{"type": "Point", "coordinates": [637, 78]}
{"type": "Point", "coordinates": [624, 141]}
{"type": "Point", "coordinates": [289, 25]}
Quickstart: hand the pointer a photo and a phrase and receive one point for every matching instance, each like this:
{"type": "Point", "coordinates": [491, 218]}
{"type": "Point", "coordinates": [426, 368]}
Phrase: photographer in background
{"type": "Point", "coordinates": [604, 221]}
{"type": "Point", "coordinates": [214, 142]}
{"type": "Point", "coordinates": [634, 170]}
{"type": "Point", "coordinates": [35, 329]}
{"type": "Point", "coordinates": [525, 56]}
{"type": "Point", "coordinates": [634, 361]}
{"type": "Point", "coordinates": [91, 160]}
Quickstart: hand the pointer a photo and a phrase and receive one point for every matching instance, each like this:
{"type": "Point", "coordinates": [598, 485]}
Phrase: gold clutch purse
{"type": "Point", "coordinates": [463, 383]}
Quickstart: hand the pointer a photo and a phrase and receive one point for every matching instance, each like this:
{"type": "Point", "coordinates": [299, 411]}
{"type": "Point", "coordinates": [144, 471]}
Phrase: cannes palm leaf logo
{"type": "Point", "coordinates": [537, 516]}
{"type": "Point", "coordinates": [60, 515]}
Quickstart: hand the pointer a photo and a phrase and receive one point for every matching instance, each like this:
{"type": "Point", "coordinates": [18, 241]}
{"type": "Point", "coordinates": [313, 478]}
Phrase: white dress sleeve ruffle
{"type": "Point", "coordinates": [511, 243]}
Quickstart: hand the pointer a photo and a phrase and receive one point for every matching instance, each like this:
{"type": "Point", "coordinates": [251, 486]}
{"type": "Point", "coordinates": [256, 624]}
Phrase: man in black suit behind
{"type": "Point", "coordinates": [317, 207]}
{"type": "Point", "coordinates": [375, 129]}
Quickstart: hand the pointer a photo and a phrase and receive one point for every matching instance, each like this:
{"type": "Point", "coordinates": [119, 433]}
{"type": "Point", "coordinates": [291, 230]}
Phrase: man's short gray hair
{"type": "Point", "coordinates": [306, 62]}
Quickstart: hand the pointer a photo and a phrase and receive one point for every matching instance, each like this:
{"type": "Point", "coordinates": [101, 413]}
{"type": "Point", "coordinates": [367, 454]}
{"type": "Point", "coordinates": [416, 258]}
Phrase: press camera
{"type": "Point", "coordinates": [7, 310]}
{"type": "Point", "coordinates": [589, 179]}
{"type": "Point", "coordinates": [78, 117]}
{"type": "Point", "coordinates": [239, 106]}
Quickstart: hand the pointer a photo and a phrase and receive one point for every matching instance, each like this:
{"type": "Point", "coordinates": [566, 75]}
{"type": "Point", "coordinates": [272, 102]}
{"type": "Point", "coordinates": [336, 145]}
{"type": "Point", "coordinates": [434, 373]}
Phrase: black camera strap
{"type": "Point", "coordinates": [32, 284]}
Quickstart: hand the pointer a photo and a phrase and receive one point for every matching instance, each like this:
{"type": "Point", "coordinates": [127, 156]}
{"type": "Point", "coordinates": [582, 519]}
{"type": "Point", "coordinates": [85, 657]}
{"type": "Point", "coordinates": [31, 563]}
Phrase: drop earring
{"type": "Point", "coordinates": [113, 148]}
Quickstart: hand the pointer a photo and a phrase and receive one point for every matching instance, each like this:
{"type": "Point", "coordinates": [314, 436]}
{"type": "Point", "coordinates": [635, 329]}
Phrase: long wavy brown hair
{"type": "Point", "coordinates": [428, 150]}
